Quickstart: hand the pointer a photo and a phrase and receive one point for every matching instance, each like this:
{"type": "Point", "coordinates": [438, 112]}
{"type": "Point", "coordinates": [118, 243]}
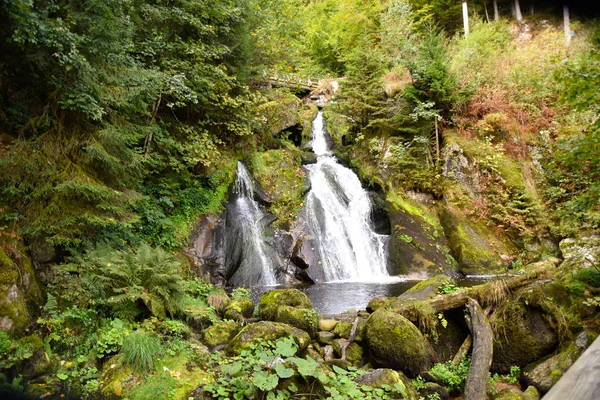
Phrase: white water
{"type": "Point", "coordinates": [256, 267]}
{"type": "Point", "coordinates": [338, 211]}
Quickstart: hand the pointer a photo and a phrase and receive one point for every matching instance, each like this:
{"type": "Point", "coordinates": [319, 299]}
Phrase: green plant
{"type": "Point", "coordinates": [110, 338]}
{"type": "Point", "coordinates": [448, 287]}
{"type": "Point", "coordinates": [418, 383]}
{"type": "Point", "coordinates": [240, 293]}
{"type": "Point", "coordinates": [140, 351]}
{"type": "Point", "coordinates": [451, 375]}
{"type": "Point", "coordinates": [159, 386]}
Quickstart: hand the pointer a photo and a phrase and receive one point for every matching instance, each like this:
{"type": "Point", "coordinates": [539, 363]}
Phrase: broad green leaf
{"type": "Point", "coordinates": [283, 371]}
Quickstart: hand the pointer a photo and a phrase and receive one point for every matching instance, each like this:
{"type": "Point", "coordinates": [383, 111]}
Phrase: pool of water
{"type": "Point", "coordinates": [337, 297]}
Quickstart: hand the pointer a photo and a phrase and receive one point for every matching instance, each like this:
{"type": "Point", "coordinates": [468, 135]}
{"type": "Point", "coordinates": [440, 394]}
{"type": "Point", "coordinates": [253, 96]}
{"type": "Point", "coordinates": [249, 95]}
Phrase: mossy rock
{"type": "Point", "coordinates": [220, 333]}
{"type": "Point", "coordinates": [470, 245]}
{"type": "Point", "coordinates": [31, 358]}
{"type": "Point", "coordinates": [354, 353]}
{"type": "Point", "coordinates": [379, 302]}
{"type": "Point", "coordinates": [289, 306]}
{"type": "Point", "coordinates": [344, 329]}
{"type": "Point", "coordinates": [531, 394]}
{"type": "Point", "coordinates": [543, 374]}
{"type": "Point", "coordinates": [426, 289]}
{"type": "Point", "coordinates": [324, 337]}
{"type": "Point", "coordinates": [509, 394]}
{"type": "Point", "coordinates": [263, 331]}
{"type": "Point", "coordinates": [394, 342]}
{"type": "Point", "coordinates": [579, 254]}
{"type": "Point", "coordinates": [327, 324]}
{"type": "Point", "coordinates": [200, 317]}
{"type": "Point", "coordinates": [524, 337]}
{"type": "Point", "coordinates": [239, 309]}
{"type": "Point", "coordinates": [116, 378]}
{"type": "Point", "coordinates": [20, 292]}
{"type": "Point", "coordinates": [384, 376]}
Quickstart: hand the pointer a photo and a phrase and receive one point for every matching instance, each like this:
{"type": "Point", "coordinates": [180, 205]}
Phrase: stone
{"type": "Point", "coordinates": [20, 292]}
{"type": "Point", "coordinates": [531, 394]}
{"type": "Point", "coordinates": [263, 331]}
{"type": "Point", "coordinates": [394, 342]}
{"type": "Point", "coordinates": [543, 374]}
{"type": "Point", "coordinates": [220, 333]}
{"type": "Point", "coordinates": [578, 254]}
{"type": "Point", "coordinates": [354, 353]}
{"type": "Point", "coordinates": [325, 337]}
{"type": "Point", "coordinates": [379, 302]}
{"type": "Point", "coordinates": [426, 289]}
{"type": "Point", "coordinates": [379, 377]}
{"type": "Point", "coordinates": [327, 324]}
{"type": "Point", "coordinates": [289, 306]}
{"type": "Point", "coordinates": [239, 309]}
{"type": "Point", "coordinates": [431, 389]}
{"type": "Point", "coordinates": [344, 329]}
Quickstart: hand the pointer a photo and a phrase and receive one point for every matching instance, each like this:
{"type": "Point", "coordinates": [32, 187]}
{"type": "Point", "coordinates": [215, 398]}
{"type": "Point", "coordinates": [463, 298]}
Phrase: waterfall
{"type": "Point", "coordinates": [248, 253]}
{"type": "Point", "coordinates": [338, 211]}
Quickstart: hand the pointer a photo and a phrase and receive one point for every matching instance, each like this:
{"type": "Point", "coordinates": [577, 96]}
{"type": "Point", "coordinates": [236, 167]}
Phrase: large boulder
{"type": "Point", "coordinates": [394, 342]}
{"type": "Point", "coordinates": [525, 329]}
{"type": "Point", "coordinates": [220, 333]}
{"type": "Point", "coordinates": [426, 289]}
{"type": "Point", "coordinates": [239, 309]}
{"type": "Point", "coordinates": [20, 292]}
{"type": "Point", "coordinates": [543, 374]}
{"type": "Point", "coordinates": [378, 378]}
{"type": "Point", "coordinates": [289, 306]}
{"type": "Point", "coordinates": [262, 331]}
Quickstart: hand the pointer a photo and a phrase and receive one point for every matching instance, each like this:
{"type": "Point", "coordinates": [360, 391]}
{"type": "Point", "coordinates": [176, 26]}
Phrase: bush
{"type": "Point", "coordinates": [451, 375]}
{"type": "Point", "coordinates": [140, 351]}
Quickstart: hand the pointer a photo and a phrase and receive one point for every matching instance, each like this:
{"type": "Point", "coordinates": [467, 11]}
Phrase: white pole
{"type": "Point", "coordinates": [465, 17]}
{"type": "Point", "coordinates": [567, 24]}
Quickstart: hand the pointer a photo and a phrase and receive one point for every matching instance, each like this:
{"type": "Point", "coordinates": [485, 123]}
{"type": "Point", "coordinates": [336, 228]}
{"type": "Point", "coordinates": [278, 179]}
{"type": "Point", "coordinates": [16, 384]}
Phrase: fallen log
{"type": "Point", "coordinates": [489, 294]}
{"type": "Point", "coordinates": [481, 359]}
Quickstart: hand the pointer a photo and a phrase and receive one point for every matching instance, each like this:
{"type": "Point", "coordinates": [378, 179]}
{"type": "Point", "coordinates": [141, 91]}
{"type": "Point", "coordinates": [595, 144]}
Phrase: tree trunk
{"type": "Point", "coordinates": [487, 16]}
{"type": "Point", "coordinates": [437, 139]}
{"type": "Point", "coordinates": [518, 14]}
{"type": "Point", "coordinates": [531, 8]}
{"type": "Point", "coordinates": [496, 14]}
{"type": "Point", "coordinates": [465, 17]}
{"type": "Point", "coordinates": [483, 293]}
{"type": "Point", "coordinates": [481, 359]}
{"type": "Point", "coordinates": [463, 350]}
{"type": "Point", "coordinates": [567, 21]}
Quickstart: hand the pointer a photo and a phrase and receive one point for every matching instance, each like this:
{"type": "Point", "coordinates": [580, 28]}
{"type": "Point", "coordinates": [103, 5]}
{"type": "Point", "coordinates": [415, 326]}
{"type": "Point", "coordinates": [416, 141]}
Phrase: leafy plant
{"type": "Point", "coordinates": [451, 375]}
{"type": "Point", "coordinates": [140, 351]}
{"type": "Point", "coordinates": [448, 287]}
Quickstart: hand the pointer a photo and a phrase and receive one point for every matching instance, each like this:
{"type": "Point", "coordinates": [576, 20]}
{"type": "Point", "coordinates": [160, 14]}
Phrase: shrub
{"type": "Point", "coordinates": [451, 375]}
{"type": "Point", "coordinates": [140, 351]}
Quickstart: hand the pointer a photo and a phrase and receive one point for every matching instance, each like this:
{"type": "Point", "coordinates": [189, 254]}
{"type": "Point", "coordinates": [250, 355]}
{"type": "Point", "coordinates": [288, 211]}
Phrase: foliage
{"type": "Point", "coordinates": [512, 378]}
{"type": "Point", "coordinates": [448, 287]}
{"type": "Point", "coordinates": [240, 293]}
{"type": "Point", "coordinates": [451, 375]}
{"type": "Point", "coordinates": [159, 386]}
{"type": "Point", "coordinates": [147, 281]}
{"type": "Point", "coordinates": [270, 364]}
{"type": "Point", "coordinates": [140, 350]}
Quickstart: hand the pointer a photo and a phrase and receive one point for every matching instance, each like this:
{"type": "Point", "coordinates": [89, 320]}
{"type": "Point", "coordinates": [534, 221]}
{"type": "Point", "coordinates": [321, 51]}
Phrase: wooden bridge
{"type": "Point", "coordinates": [293, 81]}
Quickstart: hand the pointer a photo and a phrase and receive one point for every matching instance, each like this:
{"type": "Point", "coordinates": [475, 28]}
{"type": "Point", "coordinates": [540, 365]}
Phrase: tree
{"type": "Point", "coordinates": [518, 14]}
{"type": "Point", "coordinates": [465, 17]}
{"type": "Point", "coordinates": [496, 14]}
{"type": "Point", "coordinates": [567, 24]}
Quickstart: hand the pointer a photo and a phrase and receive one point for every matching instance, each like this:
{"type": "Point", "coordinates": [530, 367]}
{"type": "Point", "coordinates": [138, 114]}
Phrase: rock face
{"type": "Point", "coordinates": [289, 306]}
{"type": "Point", "coordinates": [394, 342]}
{"type": "Point", "coordinates": [427, 289]}
{"type": "Point", "coordinates": [579, 254]}
{"type": "Point", "coordinates": [545, 373]}
{"type": "Point", "coordinates": [20, 292]}
{"type": "Point", "coordinates": [469, 246]}
{"type": "Point", "coordinates": [458, 167]}
{"type": "Point", "coordinates": [239, 309]}
{"type": "Point", "coordinates": [265, 330]}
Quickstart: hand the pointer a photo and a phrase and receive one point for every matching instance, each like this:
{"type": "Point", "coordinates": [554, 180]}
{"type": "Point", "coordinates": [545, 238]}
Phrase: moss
{"type": "Point", "coordinates": [188, 375]}
{"type": "Point", "coordinates": [555, 375]}
{"type": "Point", "coordinates": [394, 342]}
{"type": "Point", "coordinates": [428, 288]}
{"type": "Point", "coordinates": [220, 333]}
{"type": "Point", "coordinates": [239, 309]}
{"type": "Point", "coordinates": [380, 377]}
{"type": "Point", "coordinates": [327, 324]}
{"type": "Point", "coordinates": [280, 174]}
{"type": "Point", "coordinates": [263, 331]}
{"type": "Point", "coordinates": [531, 394]}
{"type": "Point", "coordinates": [414, 208]}
{"type": "Point", "coordinates": [116, 378]}
{"type": "Point", "coordinates": [289, 306]}
{"type": "Point", "coordinates": [379, 302]}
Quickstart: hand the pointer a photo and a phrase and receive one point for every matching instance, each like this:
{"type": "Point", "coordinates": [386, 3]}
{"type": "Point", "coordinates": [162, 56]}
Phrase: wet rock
{"type": "Point", "coordinates": [265, 330]}
{"type": "Point", "coordinates": [543, 374]}
{"type": "Point", "coordinates": [308, 157]}
{"type": "Point", "coordinates": [394, 342]}
{"type": "Point", "coordinates": [458, 167]}
{"type": "Point", "coordinates": [578, 254]}
{"type": "Point", "coordinates": [208, 250]}
{"type": "Point", "coordinates": [327, 324]}
{"type": "Point", "coordinates": [379, 302]}
{"type": "Point", "coordinates": [239, 309]}
{"type": "Point", "coordinates": [289, 306]}
{"type": "Point", "coordinates": [426, 289]}
{"type": "Point", "coordinates": [379, 219]}
{"type": "Point", "coordinates": [220, 333]}
{"type": "Point", "coordinates": [325, 337]}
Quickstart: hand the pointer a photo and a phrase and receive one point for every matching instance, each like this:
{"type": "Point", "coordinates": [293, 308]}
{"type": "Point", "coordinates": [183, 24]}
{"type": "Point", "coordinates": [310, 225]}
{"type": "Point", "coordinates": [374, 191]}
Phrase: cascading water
{"type": "Point", "coordinates": [247, 250]}
{"type": "Point", "coordinates": [338, 216]}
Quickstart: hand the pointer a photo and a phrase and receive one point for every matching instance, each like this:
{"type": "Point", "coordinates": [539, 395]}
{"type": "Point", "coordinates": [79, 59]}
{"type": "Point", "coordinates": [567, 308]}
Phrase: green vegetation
{"type": "Point", "coordinates": [140, 351]}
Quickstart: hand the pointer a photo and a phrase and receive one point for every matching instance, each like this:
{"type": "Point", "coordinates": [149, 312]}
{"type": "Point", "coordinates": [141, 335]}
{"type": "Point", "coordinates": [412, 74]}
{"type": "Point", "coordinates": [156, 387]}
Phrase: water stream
{"type": "Point", "coordinates": [247, 248]}
{"type": "Point", "coordinates": [338, 217]}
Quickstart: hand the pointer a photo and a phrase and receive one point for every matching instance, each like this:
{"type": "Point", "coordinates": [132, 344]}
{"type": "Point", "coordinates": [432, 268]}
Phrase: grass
{"type": "Point", "coordinates": [140, 351]}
